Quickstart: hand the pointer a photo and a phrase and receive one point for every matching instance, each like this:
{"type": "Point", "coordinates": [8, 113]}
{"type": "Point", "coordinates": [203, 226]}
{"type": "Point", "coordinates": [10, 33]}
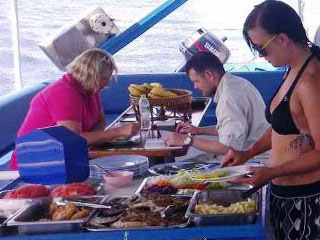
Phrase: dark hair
{"type": "Point", "coordinates": [278, 17]}
{"type": "Point", "coordinates": [202, 61]}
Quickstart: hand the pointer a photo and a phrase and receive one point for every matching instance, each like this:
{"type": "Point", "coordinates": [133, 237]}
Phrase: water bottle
{"type": "Point", "coordinates": [144, 108]}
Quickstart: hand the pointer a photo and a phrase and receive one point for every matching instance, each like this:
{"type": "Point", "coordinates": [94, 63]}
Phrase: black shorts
{"type": "Point", "coordinates": [295, 211]}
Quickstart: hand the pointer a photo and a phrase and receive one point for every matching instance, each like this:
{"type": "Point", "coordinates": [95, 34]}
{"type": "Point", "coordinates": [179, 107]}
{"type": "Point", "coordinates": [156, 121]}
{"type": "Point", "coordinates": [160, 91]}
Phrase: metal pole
{"type": "Point", "coordinates": [116, 43]}
{"type": "Point", "coordinates": [300, 9]}
{"type": "Point", "coordinates": [16, 46]}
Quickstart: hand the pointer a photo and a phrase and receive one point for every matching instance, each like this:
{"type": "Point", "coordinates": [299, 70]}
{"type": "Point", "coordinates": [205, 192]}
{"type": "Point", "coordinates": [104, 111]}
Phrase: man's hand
{"type": "Point", "coordinates": [186, 127]}
{"type": "Point", "coordinates": [234, 157]}
{"type": "Point", "coordinates": [175, 139]}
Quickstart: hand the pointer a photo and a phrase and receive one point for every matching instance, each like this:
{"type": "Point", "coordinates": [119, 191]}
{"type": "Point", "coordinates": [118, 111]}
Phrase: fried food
{"type": "Point", "coordinates": [67, 212]}
{"type": "Point", "coordinates": [81, 214]}
{"type": "Point", "coordinates": [53, 208]}
{"type": "Point", "coordinates": [64, 212]}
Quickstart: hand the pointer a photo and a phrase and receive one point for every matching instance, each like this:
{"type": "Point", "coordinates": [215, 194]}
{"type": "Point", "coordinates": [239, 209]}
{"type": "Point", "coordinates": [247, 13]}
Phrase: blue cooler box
{"type": "Point", "coordinates": [52, 155]}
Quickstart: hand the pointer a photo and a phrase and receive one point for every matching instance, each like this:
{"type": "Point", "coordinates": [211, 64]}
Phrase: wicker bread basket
{"type": "Point", "coordinates": [178, 107]}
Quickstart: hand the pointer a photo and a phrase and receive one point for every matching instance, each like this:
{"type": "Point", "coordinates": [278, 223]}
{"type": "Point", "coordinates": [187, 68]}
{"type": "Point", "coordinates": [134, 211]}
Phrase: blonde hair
{"type": "Point", "coordinates": [86, 68]}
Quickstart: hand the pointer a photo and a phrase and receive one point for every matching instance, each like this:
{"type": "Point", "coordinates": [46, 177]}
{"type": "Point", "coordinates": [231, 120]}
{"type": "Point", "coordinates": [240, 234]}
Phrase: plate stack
{"type": "Point", "coordinates": [135, 163]}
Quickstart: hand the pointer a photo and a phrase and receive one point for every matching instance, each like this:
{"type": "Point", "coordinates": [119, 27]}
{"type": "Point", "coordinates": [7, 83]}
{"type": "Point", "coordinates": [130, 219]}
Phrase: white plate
{"type": "Point", "coordinates": [234, 172]}
{"type": "Point", "coordinates": [175, 166]}
{"type": "Point", "coordinates": [121, 162]}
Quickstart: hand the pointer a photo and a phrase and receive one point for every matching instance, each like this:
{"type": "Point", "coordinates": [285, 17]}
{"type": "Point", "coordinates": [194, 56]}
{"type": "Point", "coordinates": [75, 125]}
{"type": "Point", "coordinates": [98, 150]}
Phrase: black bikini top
{"type": "Point", "coordinates": [281, 119]}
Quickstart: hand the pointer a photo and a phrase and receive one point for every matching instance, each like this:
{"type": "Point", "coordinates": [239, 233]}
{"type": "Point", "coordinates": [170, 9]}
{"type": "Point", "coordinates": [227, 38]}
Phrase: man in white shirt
{"type": "Point", "coordinates": [239, 111]}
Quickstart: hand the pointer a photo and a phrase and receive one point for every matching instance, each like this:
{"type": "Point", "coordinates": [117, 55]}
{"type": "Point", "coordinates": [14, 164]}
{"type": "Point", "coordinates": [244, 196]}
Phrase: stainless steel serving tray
{"type": "Point", "coordinates": [3, 228]}
{"type": "Point", "coordinates": [148, 182]}
{"type": "Point", "coordinates": [108, 229]}
{"type": "Point", "coordinates": [97, 185]}
{"type": "Point", "coordinates": [27, 220]}
{"type": "Point", "coordinates": [9, 207]}
{"type": "Point", "coordinates": [222, 198]}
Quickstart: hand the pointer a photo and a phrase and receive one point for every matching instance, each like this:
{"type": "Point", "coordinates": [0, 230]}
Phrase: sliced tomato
{"type": "Point", "coordinates": [200, 186]}
{"type": "Point", "coordinates": [59, 191]}
{"type": "Point", "coordinates": [29, 191]}
{"type": "Point", "coordinates": [79, 189]}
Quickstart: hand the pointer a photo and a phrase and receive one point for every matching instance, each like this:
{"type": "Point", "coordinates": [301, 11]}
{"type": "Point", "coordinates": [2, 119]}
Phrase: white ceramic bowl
{"type": "Point", "coordinates": [118, 178]}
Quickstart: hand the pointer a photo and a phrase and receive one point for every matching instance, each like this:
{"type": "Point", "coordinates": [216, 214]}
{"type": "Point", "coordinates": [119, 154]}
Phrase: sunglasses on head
{"type": "Point", "coordinates": [262, 50]}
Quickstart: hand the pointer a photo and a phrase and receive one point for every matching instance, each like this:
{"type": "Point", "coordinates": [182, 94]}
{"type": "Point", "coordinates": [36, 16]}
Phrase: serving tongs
{"type": "Point", "coordinates": [83, 204]}
{"type": "Point", "coordinates": [165, 211]}
{"type": "Point", "coordinates": [251, 191]}
{"type": "Point", "coordinates": [197, 165]}
{"type": "Point", "coordinates": [209, 166]}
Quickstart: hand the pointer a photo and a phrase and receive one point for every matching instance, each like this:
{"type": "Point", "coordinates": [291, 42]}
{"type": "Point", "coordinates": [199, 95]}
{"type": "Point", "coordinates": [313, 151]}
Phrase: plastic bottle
{"type": "Point", "coordinates": [144, 108]}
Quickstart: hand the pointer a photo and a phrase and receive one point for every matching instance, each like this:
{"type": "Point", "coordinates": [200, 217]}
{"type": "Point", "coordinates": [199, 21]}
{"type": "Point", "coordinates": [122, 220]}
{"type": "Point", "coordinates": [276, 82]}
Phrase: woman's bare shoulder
{"type": "Point", "coordinates": [310, 82]}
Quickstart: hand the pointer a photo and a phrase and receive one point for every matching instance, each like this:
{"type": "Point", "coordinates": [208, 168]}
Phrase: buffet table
{"type": "Point", "coordinates": [252, 232]}
{"type": "Point", "coordinates": [248, 232]}
{"type": "Point", "coordinates": [245, 231]}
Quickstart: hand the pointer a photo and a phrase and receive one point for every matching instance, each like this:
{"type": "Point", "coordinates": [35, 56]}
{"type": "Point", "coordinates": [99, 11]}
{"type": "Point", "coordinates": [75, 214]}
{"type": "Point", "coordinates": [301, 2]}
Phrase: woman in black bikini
{"type": "Point", "coordinates": [274, 30]}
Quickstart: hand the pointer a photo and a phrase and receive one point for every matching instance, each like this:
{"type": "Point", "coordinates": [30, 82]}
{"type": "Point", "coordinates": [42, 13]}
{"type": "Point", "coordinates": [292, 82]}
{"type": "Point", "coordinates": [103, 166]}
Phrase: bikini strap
{"type": "Point", "coordinates": [287, 71]}
{"type": "Point", "coordinates": [304, 66]}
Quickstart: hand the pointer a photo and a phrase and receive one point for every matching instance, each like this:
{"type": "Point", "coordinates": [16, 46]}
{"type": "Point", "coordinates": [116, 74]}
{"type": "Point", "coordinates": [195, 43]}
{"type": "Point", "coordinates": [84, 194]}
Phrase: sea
{"type": "Point", "coordinates": [156, 51]}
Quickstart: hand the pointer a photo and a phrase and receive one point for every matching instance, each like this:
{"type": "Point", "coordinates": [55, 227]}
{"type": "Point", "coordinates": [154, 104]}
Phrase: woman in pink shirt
{"type": "Point", "coordinates": [74, 101]}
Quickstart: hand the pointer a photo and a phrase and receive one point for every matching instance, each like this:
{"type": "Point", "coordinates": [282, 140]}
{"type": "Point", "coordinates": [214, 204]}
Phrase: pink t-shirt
{"type": "Point", "coordinates": [61, 101]}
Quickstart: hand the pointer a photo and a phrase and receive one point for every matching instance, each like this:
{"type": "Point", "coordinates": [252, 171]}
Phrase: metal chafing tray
{"type": "Point", "coordinates": [89, 227]}
{"type": "Point", "coordinates": [3, 228]}
{"type": "Point", "coordinates": [108, 229]}
{"type": "Point", "coordinates": [30, 220]}
{"type": "Point", "coordinates": [8, 208]}
{"type": "Point", "coordinates": [148, 181]}
{"type": "Point", "coordinates": [224, 198]}
{"type": "Point", "coordinates": [91, 181]}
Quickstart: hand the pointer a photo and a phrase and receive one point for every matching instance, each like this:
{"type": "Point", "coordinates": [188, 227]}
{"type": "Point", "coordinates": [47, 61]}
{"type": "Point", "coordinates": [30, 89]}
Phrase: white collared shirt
{"type": "Point", "coordinates": [240, 112]}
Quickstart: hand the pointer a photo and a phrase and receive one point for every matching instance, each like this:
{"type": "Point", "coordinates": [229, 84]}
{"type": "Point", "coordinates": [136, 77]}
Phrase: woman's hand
{"type": "Point", "coordinates": [186, 127]}
{"type": "Point", "coordinates": [129, 129]}
{"type": "Point", "coordinates": [258, 176]}
{"type": "Point", "coordinates": [234, 157]}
